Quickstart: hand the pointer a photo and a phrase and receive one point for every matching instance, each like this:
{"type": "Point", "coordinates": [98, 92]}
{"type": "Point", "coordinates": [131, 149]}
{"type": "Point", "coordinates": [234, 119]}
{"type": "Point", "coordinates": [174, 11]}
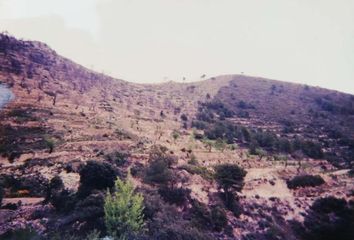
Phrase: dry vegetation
{"type": "Point", "coordinates": [212, 159]}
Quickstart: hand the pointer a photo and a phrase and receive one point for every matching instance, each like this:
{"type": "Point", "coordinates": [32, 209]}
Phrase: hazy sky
{"type": "Point", "coordinates": [307, 41]}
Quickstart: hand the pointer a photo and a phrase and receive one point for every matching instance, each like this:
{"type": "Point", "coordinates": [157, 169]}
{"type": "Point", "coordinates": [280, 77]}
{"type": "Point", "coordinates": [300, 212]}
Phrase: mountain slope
{"type": "Point", "coordinates": [64, 115]}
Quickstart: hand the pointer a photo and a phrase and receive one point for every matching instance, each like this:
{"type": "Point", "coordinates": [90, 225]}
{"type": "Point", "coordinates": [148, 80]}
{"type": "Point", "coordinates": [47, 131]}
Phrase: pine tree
{"type": "Point", "coordinates": [123, 210]}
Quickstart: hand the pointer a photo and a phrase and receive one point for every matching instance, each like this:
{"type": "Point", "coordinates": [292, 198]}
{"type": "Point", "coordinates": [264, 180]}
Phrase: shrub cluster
{"type": "Point", "coordinates": [96, 175]}
{"type": "Point", "coordinates": [117, 158]}
{"type": "Point", "coordinates": [173, 195]}
{"type": "Point", "coordinates": [329, 218]}
{"type": "Point", "coordinates": [159, 169]}
{"type": "Point", "coordinates": [164, 222]}
{"type": "Point", "coordinates": [206, 219]}
{"type": "Point", "coordinates": [199, 170]}
{"type": "Point", "coordinates": [305, 181]}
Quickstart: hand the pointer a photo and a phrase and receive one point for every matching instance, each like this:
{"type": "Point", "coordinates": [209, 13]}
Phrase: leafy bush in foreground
{"type": "Point", "coordinates": [123, 210]}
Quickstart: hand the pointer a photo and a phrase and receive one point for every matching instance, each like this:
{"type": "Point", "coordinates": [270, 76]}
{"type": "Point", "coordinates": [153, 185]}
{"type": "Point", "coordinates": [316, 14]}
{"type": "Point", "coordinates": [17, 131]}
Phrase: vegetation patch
{"type": "Point", "coordinates": [199, 170]}
{"type": "Point", "coordinates": [305, 181]}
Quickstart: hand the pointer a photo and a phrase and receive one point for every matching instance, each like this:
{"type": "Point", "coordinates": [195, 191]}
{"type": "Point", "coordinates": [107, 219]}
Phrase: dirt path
{"type": "Point", "coordinates": [24, 201]}
{"type": "Point", "coordinates": [265, 182]}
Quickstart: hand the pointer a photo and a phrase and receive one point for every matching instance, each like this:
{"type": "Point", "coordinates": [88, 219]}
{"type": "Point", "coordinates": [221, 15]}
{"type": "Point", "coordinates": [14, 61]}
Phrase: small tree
{"type": "Point", "coordinates": [230, 177]}
{"type": "Point", "coordinates": [96, 175]}
{"type": "Point", "coordinates": [123, 210]}
{"type": "Point", "coordinates": [208, 144]}
{"type": "Point", "coordinates": [220, 144]}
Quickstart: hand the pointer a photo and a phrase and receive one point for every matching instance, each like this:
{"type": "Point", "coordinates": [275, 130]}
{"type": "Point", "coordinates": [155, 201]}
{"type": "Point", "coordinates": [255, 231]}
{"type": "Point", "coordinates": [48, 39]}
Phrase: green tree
{"type": "Point", "coordinates": [220, 144]}
{"type": "Point", "coordinates": [208, 144]}
{"type": "Point", "coordinates": [123, 210]}
{"type": "Point", "coordinates": [230, 177]}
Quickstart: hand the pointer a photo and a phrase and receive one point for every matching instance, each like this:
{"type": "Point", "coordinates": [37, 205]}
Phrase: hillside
{"type": "Point", "coordinates": [67, 128]}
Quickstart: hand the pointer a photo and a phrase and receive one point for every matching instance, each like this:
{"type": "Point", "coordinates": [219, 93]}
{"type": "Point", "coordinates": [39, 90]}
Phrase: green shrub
{"type": "Point", "coordinates": [90, 212]}
{"type": "Point", "coordinates": [280, 157]}
{"type": "Point", "coordinates": [199, 124]}
{"type": "Point", "coordinates": [50, 144]}
{"type": "Point", "coordinates": [329, 218]}
{"type": "Point", "coordinates": [123, 210]}
{"type": "Point", "coordinates": [178, 196]}
{"type": "Point", "coordinates": [200, 215]}
{"type": "Point", "coordinates": [351, 173]}
{"type": "Point", "coordinates": [231, 202]}
{"type": "Point", "coordinates": [230, 177]}
{"type": "Point", "coordinates": [122, 134]}
{"type": "Point", "coordinates": [175, 135]}
{"type": "Point", "coordinates": [193, 160]}
{"type": "Point", "coordinates": [96, 175]}
{"type": "Point", "coordinates": [199, 170]}
{"type": "Point", "coordinates": [55, 185]}
{"type": "Point", "coordinates": [203, 218]}
{"type": "Point", "coordinates": [312, 149]}
{"type": "Point", "coordinates": [176, 232]}
{"type": "Point", "coordinates": [218, 217]}
{"type": "Point", "coordinates": [117, 158]}
{"type": "Point", "coordinates": [220, 144]}
{"type": "Point", "coordinates": [160, 153]}
{"type": "Point", "coordinates": [21, 234]}
{"type": "Point", "coordinates": [63, 200]}
{"type": "Point", "coordinates": [158, 172]}
{"type": "Point", "coordinates": [305, 181]}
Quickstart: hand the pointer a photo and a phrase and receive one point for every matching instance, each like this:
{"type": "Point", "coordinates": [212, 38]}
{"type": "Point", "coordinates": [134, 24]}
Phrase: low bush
{"type": "Point", "coordinates": [218, 217]}
{"type": "Point", "coordinates": [27, 185]}
{"type": "Point", "coordinates": [158, 172]}
{"type": "Point", "coordinates": [305, 181]}
{"type": "Point", "coordinates": [96, 175]}
{"type": "Point", "coordinates": [165, 222]}
{"type": "Point", "coordinates": [90, 213]}
{"type": "Point", "coordinates": [199, 170]}
{"type": "Point", "coordinates": [329, 218]}
{"type": "Point", "coordinates": [231, 202]}
{"type": "Point", "coordinates": [117, 158]}
{"type": "Point", "coordinates": [178, 196]}
{"type": "Point", "coordinates": [137, 170]}
{"type": "Point", "coordinates": [63, 200]}
{"type": "Point", "coordinates": [230, 177]}
{"type": "Point", "coordinates": [203, 218]}
{"type": "Point", "coordinates": [199, 124]}
{"type": "Point", "coordinates": [180, 232]}
{"type": "Point", "coordinates": [55, 185]}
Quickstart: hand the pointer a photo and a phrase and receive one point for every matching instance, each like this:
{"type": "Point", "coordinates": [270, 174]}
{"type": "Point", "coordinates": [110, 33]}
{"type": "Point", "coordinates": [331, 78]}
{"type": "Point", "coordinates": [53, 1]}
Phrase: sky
{"type": "Point", "coordinates": [304, 41]}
